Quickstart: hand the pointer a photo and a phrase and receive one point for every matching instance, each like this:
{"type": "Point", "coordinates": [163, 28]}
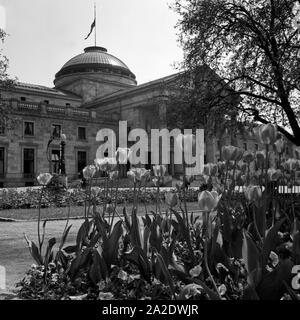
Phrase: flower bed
{"type": "Point", "coordinates": [243, 246]}
{"type": "Point", "coordinates": [29, 198]}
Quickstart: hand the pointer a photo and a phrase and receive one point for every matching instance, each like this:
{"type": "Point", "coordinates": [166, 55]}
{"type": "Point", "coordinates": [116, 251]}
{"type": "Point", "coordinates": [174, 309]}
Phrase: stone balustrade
{"type": "Point", "coordinates": [41, 108]}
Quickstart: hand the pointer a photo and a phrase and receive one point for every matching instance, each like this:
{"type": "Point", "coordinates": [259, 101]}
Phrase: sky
{"type": "Point", "coordinates": [44, 34]}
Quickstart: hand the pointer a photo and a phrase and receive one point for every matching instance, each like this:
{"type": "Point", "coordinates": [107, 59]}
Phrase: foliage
{"type": "Point", "coordinates": [253, 46]}
{"type": "Point", "coordinates": [6, 120]}
{"type": "Point", "coordinates": [29, 198]}
{"type": "Point", "coordinates": [243, 245]}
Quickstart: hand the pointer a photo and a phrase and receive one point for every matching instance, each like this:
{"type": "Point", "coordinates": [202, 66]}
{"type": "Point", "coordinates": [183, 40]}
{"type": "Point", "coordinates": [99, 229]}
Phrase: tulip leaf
{"type": "Point", "coordinates": [183, 230]}
{"type": "Point", "coordinates": [79, 262]}
{"type": "Point", "coordinates": [270, 242]}
{"type": "Point", "coordinates": [138, 257]}
{"type": "Point", "coordinates": [98, 269]}
{"type": "Point", "coordinates": [155, 238]}
{"type": "Point", "coordinates": [127, 223]}
{"type": "Point", "coordinates": [251, 256]}
{"type": "Point", "coordinates": [146, 237]}
{"type": "Point", "coordinates": [34, 251]}
{"type": "Point", "coordinates": [111, 245]}
{"type": "Point", "coordinates": [135, 235]}
{"type": "Point", "coordinates": [64, 237]}
{"type": "Point", "coordinates": [166, 273]}
{"type": "Point", "coordinates": [82, 233]}
{"type": "Point", "coordinates": [50, 246]}
{"type": "Point", "coordinates": [296, 248]}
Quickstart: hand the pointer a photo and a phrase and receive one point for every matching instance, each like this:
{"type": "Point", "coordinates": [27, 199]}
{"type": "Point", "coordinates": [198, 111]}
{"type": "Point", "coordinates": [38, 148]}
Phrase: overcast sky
{"type": "Point", "coordinates": [44, 34]}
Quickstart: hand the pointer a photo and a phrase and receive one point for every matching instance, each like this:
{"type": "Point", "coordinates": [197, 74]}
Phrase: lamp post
{"type": "Point", "coordinates": [61, 172]}
{"type": "Point", "coordinates": [62, 165]}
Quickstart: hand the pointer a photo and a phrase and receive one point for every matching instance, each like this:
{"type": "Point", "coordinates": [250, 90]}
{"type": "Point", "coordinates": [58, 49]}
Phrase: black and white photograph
{"type": "Point", "coordinates": [149, 154]}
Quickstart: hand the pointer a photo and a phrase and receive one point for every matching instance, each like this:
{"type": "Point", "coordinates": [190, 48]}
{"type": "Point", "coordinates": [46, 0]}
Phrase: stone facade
{"type": "Point", "coordinates": [80, 147]}
{"type": "Point", "coordinates": [93, 90]}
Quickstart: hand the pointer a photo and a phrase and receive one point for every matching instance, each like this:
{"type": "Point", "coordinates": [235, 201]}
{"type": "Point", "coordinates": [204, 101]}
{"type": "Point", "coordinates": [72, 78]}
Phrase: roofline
{"type": "Point", "coordinates": [47, 91]}
{"type": "Point", "coordinates": [128, 92]}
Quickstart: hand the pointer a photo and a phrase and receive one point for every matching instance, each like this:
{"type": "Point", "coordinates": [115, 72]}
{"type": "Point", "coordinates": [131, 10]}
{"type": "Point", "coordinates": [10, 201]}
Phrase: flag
{"type": "Point", "coordinates": [92, 27]}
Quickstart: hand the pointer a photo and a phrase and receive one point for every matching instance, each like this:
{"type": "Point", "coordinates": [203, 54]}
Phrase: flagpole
{"type": "Point", "coordinates": [95, 24]}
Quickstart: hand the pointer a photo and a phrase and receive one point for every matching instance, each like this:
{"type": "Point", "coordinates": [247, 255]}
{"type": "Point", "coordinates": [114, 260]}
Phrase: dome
{"type": "Point", "coordinates": [95, 59]}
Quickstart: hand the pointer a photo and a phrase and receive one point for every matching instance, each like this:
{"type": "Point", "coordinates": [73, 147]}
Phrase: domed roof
{"type": "Point", "coordinates": [95, 59]}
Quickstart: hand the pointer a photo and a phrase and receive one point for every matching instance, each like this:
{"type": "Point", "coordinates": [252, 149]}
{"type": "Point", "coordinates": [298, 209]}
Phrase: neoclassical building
{"type": "Point", "coordinates": [92, 90]}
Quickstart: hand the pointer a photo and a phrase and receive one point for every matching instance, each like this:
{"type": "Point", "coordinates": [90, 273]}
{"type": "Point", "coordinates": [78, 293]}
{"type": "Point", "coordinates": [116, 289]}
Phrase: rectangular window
{"type": "Point", "coordinates": [81, 160]}
{"type": "Point", "coordinates": [256, 147]}
{"type": "Point", "coordinates": [2, 128]}
{"type": "Point", "coordinates": [46, 101]}
{"type": "Point", "coordinates": [81, 133]}
{"type": "Point", "coordinates": [55, 154]}
{"type": "Point", "coordinates": [148, 166]}
{"type": "Point", "coordinates": [23, 99]}
{"type": "Point", "coordinates": [245, 146]}
{"type": "Point", "coordinates": [28, 128]}
{"type": "Point", "coordinates": [287, 151]}
{"type": "Point", "coordinates": [56, 130]}
{"type": "Point", "coordinates": [28, 162]}
{"type": "Point", "coordinates": [2, 150]}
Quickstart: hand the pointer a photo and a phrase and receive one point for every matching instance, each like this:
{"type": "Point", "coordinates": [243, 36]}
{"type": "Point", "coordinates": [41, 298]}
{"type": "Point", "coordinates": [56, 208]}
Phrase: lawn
{"type": "Point", "coordinates": [75, 212]}
{"type": "Point", "coordinates": [15, 256]}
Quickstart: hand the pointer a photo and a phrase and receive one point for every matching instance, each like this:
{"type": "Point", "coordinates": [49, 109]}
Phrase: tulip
{"type": "Point", "coordinates": [238, 155]}
{"type": "Point", "coordinates": [138, 174]}
{"type": "Point", "coordinates": [159, 170]}
{"type": "Point", "coordinates": [242, 166]}
{"type": "Point", "coordinates": [113, 175]}
{"type": "Point", "coordinates": [110, 209]}
{"type": "Point", "coordinates": [210, 169]}
{"type": "Point", "coordinates": [243, 178]}
{"type": "Point", "coordinates": [44, 178]}
{"type": "Point", "coordinates": [89, 171]}
{"type": "Point", "coordinates": [232, 153]}
{"type": "Point", "coordinates": [260, 157]}
{"type": "Point", "coordinates": [253, 193]}
{"type": "Point", "coordinates": [156, 181]}
{"type": "Point", "coordinates": [207, 200]}
{"type": "Point", "coordinates": [279, 145]}
{"type": "Point", "coordinates": [266, 133]}
{"type": "Point", "coordinates": [291, 165]}
{"type": "Point", "coordinates": [248, 156]}
{"type": "Point", "coordinates": [185, 139]}
{"type": "Point", "coordinates": [95, 191]}
{"type": "Point", "coordinates": [235, 174]}
{"type": "Point", "coordinates": [63, 180]}
{"type": "Point", "coordinates": [123, 154]}
{"type": "Point", "coordinates": [221, 166]}
{"type": "Point", "coordinates": [171, 199]}
{"type": "Point", "coordinates": [106, 164]}
{"type": "Point", "coordinates": [227, 152]}
{"type": "Point", "coordinates": [273, 174]}
{"type": "Point", "coordinates": [189, 179]}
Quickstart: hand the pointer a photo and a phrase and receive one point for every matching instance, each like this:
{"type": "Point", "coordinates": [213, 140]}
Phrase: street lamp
{"type": "Point", "coordinates": [61, 172]}
{"type": "Point", "coordinates": [62, 165]}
